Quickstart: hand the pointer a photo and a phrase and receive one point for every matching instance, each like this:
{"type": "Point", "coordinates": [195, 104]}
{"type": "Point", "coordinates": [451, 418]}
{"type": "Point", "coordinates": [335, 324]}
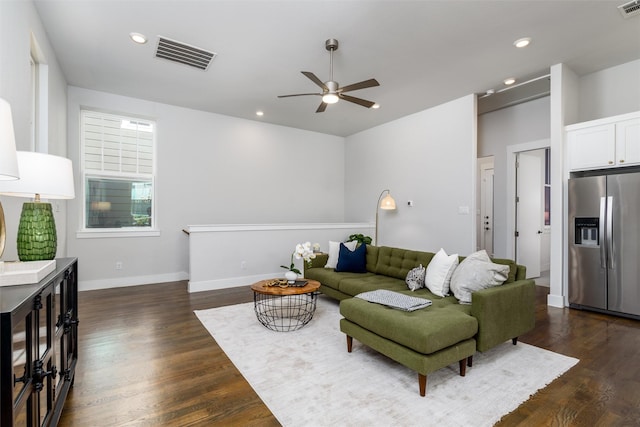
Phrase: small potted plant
{"type": "Point", "coordinates": [303, 251]}
{"type": "Point", "coordinates": [360, 238]}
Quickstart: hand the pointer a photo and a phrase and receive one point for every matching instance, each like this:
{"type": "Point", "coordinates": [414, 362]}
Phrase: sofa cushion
{"type": "Point", "coordinates": [328, 277]}
{"type": "Point", "coordinates": [475, 273]}
{"type": "Point", "coordinates": [353, 261]}
{"type": "Point", "coordinates": [372, 258]}
{"type": "Point", "coordinates": [334, 252]}
{"type": "Point", "coordinates": [425, 331]}
{"type": "Point", "coordinates": [439, 272]}
{"type": "Point", "coordinates": [356, 284]}
{"type": "Point", "coordinates": [513, 268]}
{"type": "Point", "coordinates": [395, 262]}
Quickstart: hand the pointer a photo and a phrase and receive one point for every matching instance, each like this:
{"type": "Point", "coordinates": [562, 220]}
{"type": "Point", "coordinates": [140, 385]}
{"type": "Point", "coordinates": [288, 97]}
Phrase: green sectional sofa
{"type": "Point", "coordinates": [434, 337]}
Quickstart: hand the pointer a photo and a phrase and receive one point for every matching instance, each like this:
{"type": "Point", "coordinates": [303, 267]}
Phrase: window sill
{"type": "Point", "coordinates": [116, 232]}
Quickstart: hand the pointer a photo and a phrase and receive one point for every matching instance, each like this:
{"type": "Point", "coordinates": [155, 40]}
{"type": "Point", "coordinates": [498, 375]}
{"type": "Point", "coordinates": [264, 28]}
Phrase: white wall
{"type": "Point", "coordinates": [212, 169]}
{"type": "Point", "coordinates": [497, 130]}
{"type": "Point", "coordinates": [428, 157]}
{"type": "Point", "coordinates": [609, 92]}
{"type": "Point", "coordinates": [248, 253]}
{"type": "Point", "coordinates": [18, 21]}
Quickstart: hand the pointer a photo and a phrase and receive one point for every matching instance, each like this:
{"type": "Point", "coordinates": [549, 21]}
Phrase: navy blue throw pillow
{"type": "Point", "coordinates": [353, 262]}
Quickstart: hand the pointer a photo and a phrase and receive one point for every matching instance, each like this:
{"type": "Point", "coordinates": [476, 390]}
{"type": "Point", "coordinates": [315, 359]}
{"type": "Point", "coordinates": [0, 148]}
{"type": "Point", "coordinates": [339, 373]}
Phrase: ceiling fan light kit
{"type": "Point", "coordinates": [331, 90]}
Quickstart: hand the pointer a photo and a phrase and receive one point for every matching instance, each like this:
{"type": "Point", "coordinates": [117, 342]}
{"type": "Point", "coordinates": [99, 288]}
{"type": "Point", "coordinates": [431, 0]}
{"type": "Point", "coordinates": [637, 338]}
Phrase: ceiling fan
{"type": "Point", "coordinates": [331, 90]}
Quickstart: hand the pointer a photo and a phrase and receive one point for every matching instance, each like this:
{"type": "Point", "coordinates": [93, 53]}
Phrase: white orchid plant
{"type": "Point", "coordinates": [303, 251]}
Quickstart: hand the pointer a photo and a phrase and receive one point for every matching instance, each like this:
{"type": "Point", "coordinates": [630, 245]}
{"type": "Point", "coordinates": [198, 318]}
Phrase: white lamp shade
{"type": "Point", "coordinates": [388, 203]}
{"type": "Point", "coordinates": [8, 159]}
{"type": "Point", "coordinates": [49, 176]}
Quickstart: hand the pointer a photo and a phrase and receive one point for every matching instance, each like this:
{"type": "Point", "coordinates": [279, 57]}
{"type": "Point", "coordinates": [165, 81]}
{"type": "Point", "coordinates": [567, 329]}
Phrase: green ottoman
{"type": "Point", "coordinates": [424, 340]}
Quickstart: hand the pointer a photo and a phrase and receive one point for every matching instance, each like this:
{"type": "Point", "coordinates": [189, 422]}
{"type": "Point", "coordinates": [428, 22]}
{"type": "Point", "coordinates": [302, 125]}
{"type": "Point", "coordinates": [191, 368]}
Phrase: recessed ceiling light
{"type": "Point", "coordinates": [523, 42]}
{"type": "Point", "coordinates": [509, 81]}
{"type": "Point", "coordinates": [375, 106]}
{"type": "Point", "coordinates": [260, 113]}
{"type": "Point", "coordinates": [138, 38]}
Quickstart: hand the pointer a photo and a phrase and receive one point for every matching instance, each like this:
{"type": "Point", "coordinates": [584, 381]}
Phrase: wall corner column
{"type": "Point", "coordinates": [564, 102]}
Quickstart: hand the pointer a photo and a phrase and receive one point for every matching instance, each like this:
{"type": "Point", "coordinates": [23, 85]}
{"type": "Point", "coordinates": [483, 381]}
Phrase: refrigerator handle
{"type": "Point", "coordinates": [611, 255]}
{"type": "Point", "coordinates": [601, 236]}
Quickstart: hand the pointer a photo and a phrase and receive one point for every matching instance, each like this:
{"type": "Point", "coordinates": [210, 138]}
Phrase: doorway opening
{"type": "Point", "coordinates": [532, 234]}
{"type": "Point", "coordinates": [485, 234]}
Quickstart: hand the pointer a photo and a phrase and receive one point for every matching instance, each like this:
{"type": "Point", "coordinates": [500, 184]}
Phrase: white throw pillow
{"type": "Point", "coordinates": [439, 272]}
{"type": "Point", "coordinates": [334, 252]}
{"type": "Point", "coordinates": [476, 272]}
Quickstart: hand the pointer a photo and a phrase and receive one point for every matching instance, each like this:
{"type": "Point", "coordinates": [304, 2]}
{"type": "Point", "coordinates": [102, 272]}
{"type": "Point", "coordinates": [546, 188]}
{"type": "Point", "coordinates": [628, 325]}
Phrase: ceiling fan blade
{"type": "Point", "coordinates": [322, 107]}
{"type": "Point", "coordinates": [358, 101]}
{"type": "Point", "coordinates": [315, 79]}
{"type": "Point", "coordinates": [360, 85]}
{"type": "Point", "coordinates": [299, 94]}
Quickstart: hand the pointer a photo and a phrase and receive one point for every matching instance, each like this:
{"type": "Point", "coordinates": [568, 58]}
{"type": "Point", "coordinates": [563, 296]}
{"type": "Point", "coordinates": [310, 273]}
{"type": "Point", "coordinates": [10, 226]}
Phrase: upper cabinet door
{"type": "Point", "coordinates": [628, 142]}
{"type": "Point", "coordinates": [592, 147]}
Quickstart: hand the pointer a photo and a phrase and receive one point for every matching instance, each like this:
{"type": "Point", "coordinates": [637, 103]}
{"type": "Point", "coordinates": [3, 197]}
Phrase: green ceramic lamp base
{"type": "Point", "coordinates": [37, 238]}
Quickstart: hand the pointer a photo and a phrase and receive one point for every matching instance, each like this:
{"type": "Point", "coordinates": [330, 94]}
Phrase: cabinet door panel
{"type": "Point", "coordinates": [592, 148]}
{"type": "Point", "coordinates": [59, 363]}
{"type": "Point", "coordinates": [628, 142]}
{"type": "Point", "coordinates": [44, 398]}
{"type": "Point", "coordinates": [21, 356]}
{"type": "Point", "coordinates": [44, 314]}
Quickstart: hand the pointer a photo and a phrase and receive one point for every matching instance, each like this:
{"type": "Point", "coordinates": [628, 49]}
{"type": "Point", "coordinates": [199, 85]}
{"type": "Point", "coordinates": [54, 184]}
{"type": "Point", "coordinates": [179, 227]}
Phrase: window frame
{"type": "Point", "coordinates": [85, 174]}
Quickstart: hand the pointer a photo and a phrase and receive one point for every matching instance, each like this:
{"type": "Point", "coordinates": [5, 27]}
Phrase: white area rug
{"type": "Point", "coordinates": [307, 378]}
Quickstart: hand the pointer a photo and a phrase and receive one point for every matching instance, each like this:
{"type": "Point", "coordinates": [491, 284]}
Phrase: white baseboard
{"type": "Point", "coordinates": [121, 282]}
{"type": "Point", "coordinates": [231, 282]}
{"type": "Point", "coordinates": [555, 301]}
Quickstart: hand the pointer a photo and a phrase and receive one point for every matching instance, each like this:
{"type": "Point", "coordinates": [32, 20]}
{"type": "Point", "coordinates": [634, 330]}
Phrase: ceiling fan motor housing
{"type": "Point", "coordinates": [332, 86]}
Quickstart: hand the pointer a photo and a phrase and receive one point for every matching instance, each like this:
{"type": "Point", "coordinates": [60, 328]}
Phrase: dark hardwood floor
{"type": "Point", "coordinates": [145, 360]}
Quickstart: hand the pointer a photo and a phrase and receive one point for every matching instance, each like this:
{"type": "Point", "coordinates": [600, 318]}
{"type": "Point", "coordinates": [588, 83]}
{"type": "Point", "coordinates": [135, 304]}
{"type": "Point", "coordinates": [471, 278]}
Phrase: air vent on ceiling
{"type": "Point", "coordinates": [183, 53]}
{"type": "Point", "coordinates": [630, 9]}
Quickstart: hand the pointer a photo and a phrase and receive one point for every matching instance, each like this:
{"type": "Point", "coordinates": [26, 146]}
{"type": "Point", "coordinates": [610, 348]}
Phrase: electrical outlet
{"type": "Point", "coordinates": [118, 265]}
{"type": "Point", "coordinates": [243, 265]}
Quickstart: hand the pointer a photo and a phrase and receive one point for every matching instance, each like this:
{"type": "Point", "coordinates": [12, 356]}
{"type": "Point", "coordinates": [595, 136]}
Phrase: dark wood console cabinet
{"type": "Point", "coordinates": [39, 347]}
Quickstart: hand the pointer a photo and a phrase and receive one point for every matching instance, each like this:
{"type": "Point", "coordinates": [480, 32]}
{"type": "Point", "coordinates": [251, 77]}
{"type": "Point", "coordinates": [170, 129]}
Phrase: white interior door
{"type": "Point", "coordinates": [486, 210]}
{"type": "Point", "coordinates": [529, 191]}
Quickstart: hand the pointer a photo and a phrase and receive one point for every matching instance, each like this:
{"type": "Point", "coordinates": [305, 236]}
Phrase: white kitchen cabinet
{"type": "Point", "coordinates": [604, 143]}
{"type": "Point", "coordinates": [628, 142]}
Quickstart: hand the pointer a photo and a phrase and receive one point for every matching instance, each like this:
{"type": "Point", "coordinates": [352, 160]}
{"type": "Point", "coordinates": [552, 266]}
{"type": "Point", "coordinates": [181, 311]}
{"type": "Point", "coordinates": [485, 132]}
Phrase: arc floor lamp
{"type": "Point", "coordinates": [386, 203]}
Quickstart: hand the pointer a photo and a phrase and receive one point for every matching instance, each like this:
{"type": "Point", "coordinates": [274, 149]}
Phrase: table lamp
{"type": "Point", "coordinates": [8, 159]}
{"type": "Point", "coordinates": [41, 176]}
{"type": "Point", "coordinates": [387, 204]}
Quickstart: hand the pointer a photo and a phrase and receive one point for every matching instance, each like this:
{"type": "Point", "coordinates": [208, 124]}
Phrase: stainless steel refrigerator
{"type": "Point", "coordinates": [604, 243]}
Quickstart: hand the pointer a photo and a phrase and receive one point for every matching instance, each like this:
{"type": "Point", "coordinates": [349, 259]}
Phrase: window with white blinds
{"type": "Point", "coordinates": [118, 171]}
{"type": "Point", "coordinates": [117, 144]}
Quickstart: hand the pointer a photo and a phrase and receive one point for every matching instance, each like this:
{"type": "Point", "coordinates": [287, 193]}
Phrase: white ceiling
{"type": "Point", "coordinates": [423, 53]}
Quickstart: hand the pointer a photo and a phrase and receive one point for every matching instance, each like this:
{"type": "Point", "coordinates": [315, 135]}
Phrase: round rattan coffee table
{"type": "Point", "coordinates": [284, 309]}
